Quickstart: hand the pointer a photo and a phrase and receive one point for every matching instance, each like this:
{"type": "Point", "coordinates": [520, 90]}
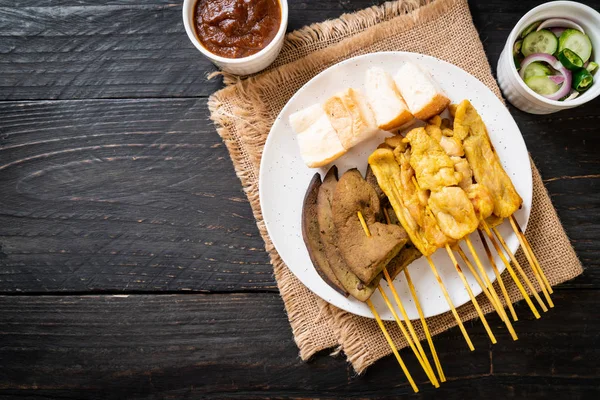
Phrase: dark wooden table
{"type": "Point", "coordinates": [131, 266]}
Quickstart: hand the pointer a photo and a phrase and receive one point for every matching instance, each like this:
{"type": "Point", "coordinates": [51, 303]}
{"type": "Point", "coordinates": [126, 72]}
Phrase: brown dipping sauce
{"type": "Point", "coordinates": [236, 28]}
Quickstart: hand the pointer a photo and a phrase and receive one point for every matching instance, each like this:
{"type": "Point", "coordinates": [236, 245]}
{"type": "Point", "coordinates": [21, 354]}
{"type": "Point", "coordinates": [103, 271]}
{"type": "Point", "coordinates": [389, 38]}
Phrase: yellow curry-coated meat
{"type": "Point", "coordinates": [482, 201]}
{"type": "Point", "coordinates": [479, 195]}
{"type": "Point", "coordinates": [435, 171]}
{"type": "Point", "coordinates": [484, 161]}
{"type": "Point", "coordinates": [433, 167]}
{"type": "Point", "coordinates": [395, 181]}
{"type": "Point", "coordinates": [453, 211]}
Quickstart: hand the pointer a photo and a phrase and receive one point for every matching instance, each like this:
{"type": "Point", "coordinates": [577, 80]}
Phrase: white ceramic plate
{"type": "Point", "coordinates": [284, 179]}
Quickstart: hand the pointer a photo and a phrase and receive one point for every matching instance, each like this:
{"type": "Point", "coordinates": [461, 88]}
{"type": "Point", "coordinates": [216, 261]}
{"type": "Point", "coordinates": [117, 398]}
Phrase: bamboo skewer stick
{"type": "Point", "coordinates": [436, 360]}
{"type": "Point", "coordinates": [442, 286]}
{"type": "Point", "coordinates": [426, 368]}
{"type": "Point", "coordinates": [449, 301]}
{"type": "Point", "coordinates": [409, 325]}
{"type": "Point", "coordinates": [508, 266]}
{"type": "Point", "coordinates": [493, 298]}
{"type": "Point", "coordinates": [491, 294]}
{"type": "Point", "coordinates": [520, 269]}
{"type": "Point", "coordinates": [512, 274]}
{"type": "Point", "coordinates": [392, 346]}
{"type": "Point", "coordinates": [364, 224]}
{"type": "Point", "coordinates": [471, 295]}
{"type": "Point", "coordinates": [527, 249]}
{"type": "Point", "coordinates": [424, 364]}
{"type": "Point", "coordinates": [496, 272]}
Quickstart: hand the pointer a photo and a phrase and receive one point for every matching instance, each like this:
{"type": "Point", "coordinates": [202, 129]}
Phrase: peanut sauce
{"type": "Point", "coordinates": [236, 28]}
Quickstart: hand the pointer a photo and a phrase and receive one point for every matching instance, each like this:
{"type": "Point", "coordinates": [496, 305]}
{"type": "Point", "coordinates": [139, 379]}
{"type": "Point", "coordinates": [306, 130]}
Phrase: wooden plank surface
{"type": "Point", "coordinates": [239, 346]}
{"type": "Point", "coordinates": [140, 195]}
{"type": "Point", "coordinates": [71, 49]}
{"type": "Point", "coordinates": [122, 195]}
{"type": "Point", "coordinates": [113, 181]}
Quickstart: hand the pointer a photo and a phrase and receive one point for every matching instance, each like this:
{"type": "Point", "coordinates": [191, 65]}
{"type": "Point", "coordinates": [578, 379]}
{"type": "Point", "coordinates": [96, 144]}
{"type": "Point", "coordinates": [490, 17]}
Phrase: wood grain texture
{"type": "Point", "coordinates": [134, 193]}
{"type": "Point", "coordinates": [128, 195]}
{"type": "Point", "coordinates": [239, 346]}
{"type": "Point", "coordinates": [71, 49]}
{"type": "Point", "coordinates": [122, 195]}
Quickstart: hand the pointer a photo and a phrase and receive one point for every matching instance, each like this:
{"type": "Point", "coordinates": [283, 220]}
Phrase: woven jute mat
{"type": "Point", "coordinates": [244, 111]}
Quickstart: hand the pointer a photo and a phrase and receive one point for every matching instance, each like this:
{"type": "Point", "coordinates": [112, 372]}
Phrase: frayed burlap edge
{"type": "Point", "coordinates": [301, 42]}
{"type": "Point", "coordinates": [254, 117]}
{"type": "Point", "coordinates": [251, 112]}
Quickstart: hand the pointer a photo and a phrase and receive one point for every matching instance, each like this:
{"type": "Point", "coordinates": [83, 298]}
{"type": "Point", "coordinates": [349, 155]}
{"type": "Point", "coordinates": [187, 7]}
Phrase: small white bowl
{"type": "Point", "coordinates": [239, 66]}
{"type": "Point", "coordinates": [513, 87]}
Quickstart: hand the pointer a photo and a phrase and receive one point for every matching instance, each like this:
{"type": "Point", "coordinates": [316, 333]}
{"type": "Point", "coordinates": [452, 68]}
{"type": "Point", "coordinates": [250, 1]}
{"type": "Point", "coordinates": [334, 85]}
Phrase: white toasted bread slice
{"type": "Point", "coordinates": [423, 95]}
{"type": "Point", "coordinates": [318, 141]}
{"type": "Point", "coordinates": [391, 112]}
{"type": "Point", "coordinates": [351, 117]}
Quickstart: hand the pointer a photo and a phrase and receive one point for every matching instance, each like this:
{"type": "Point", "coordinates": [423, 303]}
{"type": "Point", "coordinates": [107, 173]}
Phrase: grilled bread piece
{"type": "Point", "coordinates": [390, 109]}
{"type": "Point", "coordinates": [421, 92]}
{"type": "Point", "coordinates": [351, 117]}
{"type": "Point", "coordinates": [318, 141]}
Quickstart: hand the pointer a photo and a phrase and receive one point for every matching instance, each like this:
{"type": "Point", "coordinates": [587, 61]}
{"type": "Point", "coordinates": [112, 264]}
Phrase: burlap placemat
{"type": "Point", "coordinates": [244, 111]}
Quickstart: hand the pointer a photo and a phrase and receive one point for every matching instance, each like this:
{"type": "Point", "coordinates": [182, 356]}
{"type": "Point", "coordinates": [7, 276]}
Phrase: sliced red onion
{"type": "Point", "coordinates": [560, 23]}
{"type": "Point", "coordinates": [557, 31]}
{"type": "Point", "coordinates": [554, 63]}
{"type": "Point", "coordinates": [558, 79]}
{"type": "Point", "coordinates": [573, 95]}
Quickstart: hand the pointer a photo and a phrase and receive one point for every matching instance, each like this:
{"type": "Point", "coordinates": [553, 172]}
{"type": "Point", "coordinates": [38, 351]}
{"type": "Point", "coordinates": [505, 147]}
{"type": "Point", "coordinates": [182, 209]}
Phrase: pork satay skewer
{"type": "Point", "coordinates": [445, 291]}
{"type": "Point", "coordinates": [488, 233]}
{"type": "Point", "coordinates": [426, 368]}
{"type": "Point", "coordinates": [527, 248]}
{"type": "Point", "coordinates": [436, 359]}
{"type": "Point", "coordinates": [392, 346]}
{"type": "Point", "coordinates": [395, 199]}
{"type": "Point", "coordinates": [489, 293]}
{"type": "Point", "coordinates": [488, 171]}
{"type": "Point", "coordinates": [462, 277]}
{"type": "Point", "coordinates": [518, 266]}
{"type": "Point", "coordinates": [478, 195]}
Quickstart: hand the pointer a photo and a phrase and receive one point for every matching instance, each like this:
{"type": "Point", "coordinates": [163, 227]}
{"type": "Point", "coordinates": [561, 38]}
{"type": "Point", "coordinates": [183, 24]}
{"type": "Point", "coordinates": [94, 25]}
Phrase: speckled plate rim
{"type": "Point", "coordinates": [284, 178]}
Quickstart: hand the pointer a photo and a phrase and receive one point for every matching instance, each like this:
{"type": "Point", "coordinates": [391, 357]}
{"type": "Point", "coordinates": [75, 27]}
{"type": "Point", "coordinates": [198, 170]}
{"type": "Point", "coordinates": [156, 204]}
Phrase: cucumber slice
{"type": "Point", "coordinates": [542, 41]}
{"type": "Point", "coordinates": [592, 67]}
{"type": "Point", "coordinates": [577, 42]}
{"type": "Point", "coordinates": [542, 85]}
{"type": "Point", "coordinates": [536, 69]}
{"type": "Point", "coordinates": [530, 29]}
